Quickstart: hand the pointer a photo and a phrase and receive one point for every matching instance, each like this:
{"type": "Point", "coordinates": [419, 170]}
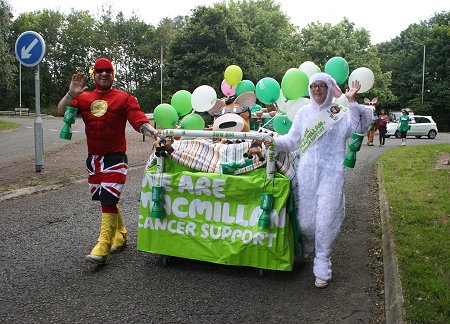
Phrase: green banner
{"type": "Point", "coordinates": [214, 217]}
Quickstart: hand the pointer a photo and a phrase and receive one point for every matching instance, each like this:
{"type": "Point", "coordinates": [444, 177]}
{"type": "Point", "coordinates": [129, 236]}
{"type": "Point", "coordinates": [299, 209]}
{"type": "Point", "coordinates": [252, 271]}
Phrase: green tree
{"type": "Point", "coordinates": [255, 35]}
{"type": "Point", "coordinates": [25, 22]}
{"type": "Point", "coordinates": [49, 25]}
{"type": "Point", "coordinates": [321, 42]}
{"type": "Point", "coordinates": [77, 40]}
{"type": "Point", "coordinates": [273, 47]}
{"type": "Point", "coordinates": [8, 65]}
{"type": "Point", "coordinates": [166, 29]}
{"type": "Point", "coordinates": [136, 46]}
{"type": "Point", "coordinates": [65, 52]}
{"type": "Point", "coordinates": [201, 51]}
{"type": "Point", "coordinates": [403, 57]}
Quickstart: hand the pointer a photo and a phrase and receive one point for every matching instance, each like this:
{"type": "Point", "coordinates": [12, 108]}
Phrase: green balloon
{"type": "Point", "coordinates": [193, 122]}
{"type": "Point", "coordinates": [282, 124]}
{"type": "Point", "coordinates": [245, 86]}
{"type": "Point", "coordinates": [268, 90]}
{"type": "Point", "coordinates": [181, 101]}
{"type": "Point", "coordinates": [338, 68]}
{"type": "Point", "coordinates": [165, 116]}
{"type": "Point", "coordinates": [294, 84]}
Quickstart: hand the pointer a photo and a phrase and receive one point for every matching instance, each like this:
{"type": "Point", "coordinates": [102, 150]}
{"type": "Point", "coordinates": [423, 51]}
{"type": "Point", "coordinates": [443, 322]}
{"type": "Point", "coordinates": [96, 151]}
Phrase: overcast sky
{"type": "Point", "coordinates": [384, 19]}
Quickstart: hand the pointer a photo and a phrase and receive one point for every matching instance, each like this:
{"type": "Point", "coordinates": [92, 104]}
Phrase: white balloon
{"type": "Point", "coordinates": [282, 102]}
{"type": "Point", "coordinates": [294, 106]}
{"type": "Point", "coordinates": [342, 100]}
{"type": "Point", "coordinates": [309, 68]}
{"type": "Point", "coordinates": [203, 98]}
{"type": "Point", "coordinates": [365, 76]}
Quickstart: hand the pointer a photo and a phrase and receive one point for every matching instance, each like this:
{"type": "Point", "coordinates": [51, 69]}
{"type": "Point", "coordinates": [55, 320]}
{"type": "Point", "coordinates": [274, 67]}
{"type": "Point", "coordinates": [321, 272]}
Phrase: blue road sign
{"type": "Point", "coordinates": [30, 48]}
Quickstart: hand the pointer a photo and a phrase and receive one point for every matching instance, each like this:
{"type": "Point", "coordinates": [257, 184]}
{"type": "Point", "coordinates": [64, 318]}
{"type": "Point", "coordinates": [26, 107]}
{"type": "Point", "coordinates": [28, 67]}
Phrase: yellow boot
{"type": "Point", "coordinates": [120, 236]}
{"type": "Point", "coordinates": [100, 252]}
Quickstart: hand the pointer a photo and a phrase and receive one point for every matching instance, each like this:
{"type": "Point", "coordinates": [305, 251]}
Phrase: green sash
{"type": "Point", "coordinates": [321, 123]}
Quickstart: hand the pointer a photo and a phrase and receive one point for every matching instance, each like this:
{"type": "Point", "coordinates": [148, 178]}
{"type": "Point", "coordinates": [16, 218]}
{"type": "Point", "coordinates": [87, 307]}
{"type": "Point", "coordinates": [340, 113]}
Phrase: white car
{"type": "Point", "coordinates": [420, 126]}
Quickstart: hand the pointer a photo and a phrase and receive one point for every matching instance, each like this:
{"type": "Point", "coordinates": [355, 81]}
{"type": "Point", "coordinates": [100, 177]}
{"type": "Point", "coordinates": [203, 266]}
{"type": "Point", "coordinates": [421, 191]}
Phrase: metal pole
{"type": "Point", "coordinates": [423, 67]}
{"type": "Point", "coordinates": [423, 72]}
{"type": "Point", "coordinates": [20, 85]}
{"type": "Point", "coordinates": [38, 142]}
{"type": "Point", "coordinates": [161, 72]}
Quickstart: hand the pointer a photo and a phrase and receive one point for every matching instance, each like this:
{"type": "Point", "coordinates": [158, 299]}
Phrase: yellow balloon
{"type": "Point", "coordinates": [233, 75]}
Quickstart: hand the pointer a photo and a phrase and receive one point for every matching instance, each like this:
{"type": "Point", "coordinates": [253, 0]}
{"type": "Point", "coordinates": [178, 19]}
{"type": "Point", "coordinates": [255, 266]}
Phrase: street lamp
{"type": "Point", "coordinates": [423, 72]}
{"type": "Point", "coordinates": [423, 67]}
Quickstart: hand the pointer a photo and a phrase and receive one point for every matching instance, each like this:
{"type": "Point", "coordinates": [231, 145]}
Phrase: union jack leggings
{"type": "Point", "coordinates": [106, 176]}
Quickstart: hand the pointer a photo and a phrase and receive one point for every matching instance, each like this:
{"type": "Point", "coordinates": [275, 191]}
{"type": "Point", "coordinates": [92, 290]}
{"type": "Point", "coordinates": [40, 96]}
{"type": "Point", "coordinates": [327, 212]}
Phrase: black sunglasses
{"type": "Point", "coordinates": [103, 70]}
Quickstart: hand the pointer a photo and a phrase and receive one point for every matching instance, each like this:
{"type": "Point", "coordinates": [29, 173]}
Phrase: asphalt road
{"type": "Point", "coordinates": [20, 144]}
{"type": "Point", "coordinates": [44, 278]}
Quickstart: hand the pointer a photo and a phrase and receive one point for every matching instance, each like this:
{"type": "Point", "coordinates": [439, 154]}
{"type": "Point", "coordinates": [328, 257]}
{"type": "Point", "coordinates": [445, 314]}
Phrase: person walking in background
{"type": "Point", "coordinates": [383, 119]}
{"type": "Point", "coordinates": [374, 124]}
{"type": "Point", "coordinates": [403, 126]}
{"type": "Point", "coordinates": [105, 112]}
{"type": "Point", "coordinates": [320, 170]}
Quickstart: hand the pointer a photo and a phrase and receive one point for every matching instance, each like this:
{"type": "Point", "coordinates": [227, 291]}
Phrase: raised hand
{"type": "Point", "coordinates": [351, 94]}
{"type": "Point", "coordinates": [77, 84]}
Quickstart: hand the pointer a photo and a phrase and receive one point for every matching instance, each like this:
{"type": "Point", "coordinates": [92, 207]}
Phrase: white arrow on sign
{"type": "Point", "coordinates": [25, 52]}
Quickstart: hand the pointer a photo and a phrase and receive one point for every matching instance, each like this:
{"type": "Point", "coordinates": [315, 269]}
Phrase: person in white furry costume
{"type": "Point", "coordinates": [320, 170]}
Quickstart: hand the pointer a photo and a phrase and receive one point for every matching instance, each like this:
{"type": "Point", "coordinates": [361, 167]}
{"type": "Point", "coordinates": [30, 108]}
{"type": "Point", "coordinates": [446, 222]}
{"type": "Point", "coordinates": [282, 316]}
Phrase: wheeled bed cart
{"type": "Point", "coordinates": [242, 219]}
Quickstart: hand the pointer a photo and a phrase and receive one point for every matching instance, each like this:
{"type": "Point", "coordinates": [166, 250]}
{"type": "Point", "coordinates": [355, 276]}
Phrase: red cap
{"type": "Point", "coordinates": [103, 63]}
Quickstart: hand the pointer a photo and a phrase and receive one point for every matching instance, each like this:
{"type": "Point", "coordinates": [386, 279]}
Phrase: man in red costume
{"type": "Point", "coordinates": [105, 112]}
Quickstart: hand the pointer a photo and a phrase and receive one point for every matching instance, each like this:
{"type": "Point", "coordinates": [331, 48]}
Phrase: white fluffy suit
{"type": "Point", "coordinates": [320, 174]}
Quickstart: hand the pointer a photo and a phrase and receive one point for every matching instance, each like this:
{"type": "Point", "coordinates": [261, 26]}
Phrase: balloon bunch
{"type": "Point", "coordinates": [288, 97]}
{"type": "Point", "coordinates": [168, 115]}
{"type": "Point", "coordinates": [338, 68]}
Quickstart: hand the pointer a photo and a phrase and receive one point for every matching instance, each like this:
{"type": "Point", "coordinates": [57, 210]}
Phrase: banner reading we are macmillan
{"type": "Point", "coordinates": [214, 217]}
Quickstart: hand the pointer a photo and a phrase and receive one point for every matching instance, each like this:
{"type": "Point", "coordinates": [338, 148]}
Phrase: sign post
{"type": "Point", "coordinates": [30, 49]}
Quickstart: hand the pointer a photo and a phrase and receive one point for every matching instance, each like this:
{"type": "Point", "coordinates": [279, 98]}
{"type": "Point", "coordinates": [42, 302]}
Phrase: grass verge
{"type": "Point", "coordinates": [419, 198]}
{"type": "Point", "coordinates": [5, 126]}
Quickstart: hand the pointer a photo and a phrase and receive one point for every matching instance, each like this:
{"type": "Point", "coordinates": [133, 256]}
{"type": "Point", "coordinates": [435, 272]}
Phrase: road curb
{"type": "Point", "coordinates": [7, 195]}
{"type": "Point", "coordinates": [393, 292]}
{"type": "Point", "coordinates": [31, 190]}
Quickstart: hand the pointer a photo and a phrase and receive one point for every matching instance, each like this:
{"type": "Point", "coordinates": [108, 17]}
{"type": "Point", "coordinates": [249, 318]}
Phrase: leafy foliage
{"type": "Point", "coordinates": [199, 55]}
{"type": "Point", "coordinates": [153, 62]}
{"type": "Point", "coordinates": [7, 59]}
{"type": "Point", "coordinates": [404, 57]}
{"type": "Point", "coordinates": [352, 44]}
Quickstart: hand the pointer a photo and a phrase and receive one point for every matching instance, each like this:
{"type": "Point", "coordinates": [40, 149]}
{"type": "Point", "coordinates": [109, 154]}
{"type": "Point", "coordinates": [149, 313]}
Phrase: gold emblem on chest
{"type": "Point", "coordinates": [99, 108]}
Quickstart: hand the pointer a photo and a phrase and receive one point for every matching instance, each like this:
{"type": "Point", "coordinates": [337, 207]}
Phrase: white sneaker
{"type": "Point", "coordinates": [321, 283]}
